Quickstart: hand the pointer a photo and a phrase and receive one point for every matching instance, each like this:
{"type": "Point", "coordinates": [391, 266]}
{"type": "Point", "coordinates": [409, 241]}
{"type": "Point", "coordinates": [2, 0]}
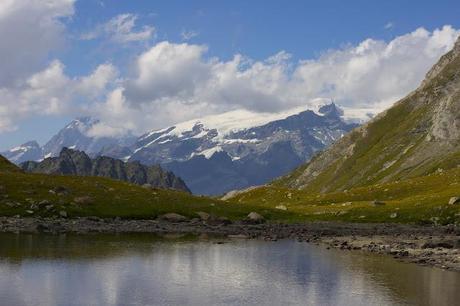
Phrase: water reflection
{"type": "Point", "coordinates": [148, 270]}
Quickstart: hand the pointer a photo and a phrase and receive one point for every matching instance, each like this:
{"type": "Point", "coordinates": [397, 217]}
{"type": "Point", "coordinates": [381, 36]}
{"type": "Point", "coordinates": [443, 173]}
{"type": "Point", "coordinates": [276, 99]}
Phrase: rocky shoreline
{"type": "Point", "coordinates": [434, 246]}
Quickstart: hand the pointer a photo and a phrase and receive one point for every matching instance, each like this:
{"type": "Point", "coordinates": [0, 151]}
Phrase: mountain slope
{"type": "Point", "coordinates": [419, 135]}
{"type": "Point", "coordinates": [71, 162]}
{"type": "Point", "coordinates": [74, 135]}
{"type": "Point", "coordinates": [6, 166]}
{"type": "Point", "coordinates": [220, 153]}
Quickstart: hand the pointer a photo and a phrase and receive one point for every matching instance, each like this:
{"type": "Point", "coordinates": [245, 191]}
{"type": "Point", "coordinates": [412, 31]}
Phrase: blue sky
{"type": "Point", "coordinates": [211, 34]}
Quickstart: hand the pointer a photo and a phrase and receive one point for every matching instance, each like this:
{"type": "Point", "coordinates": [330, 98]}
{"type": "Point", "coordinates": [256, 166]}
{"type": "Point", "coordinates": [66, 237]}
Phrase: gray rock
{"type": "Point", "coordinates": [281, 207]}
{"type": "Point", "coordinates": [454, 201]}
{"type": "Point", "coordinates": [203, 216]}
{"type": "Point", "coordinates": [394, 215]}
{"type": "Point", "coordinates": [173, 217]}
{"type": "Point", "coordinates": [60, 190]}
{"type": "Point", "coordinates": [84, 200]}
{"type": "Point", "coordinates": [49, 207]}
{"type": "Point", "coordinates": [255, 217]}
{"type": "Point", "coordinates": [72, 162]}
{"type": "Point", "coordinates": [43, 203]}
{"type": "Point", "coordinates": [63, 214]}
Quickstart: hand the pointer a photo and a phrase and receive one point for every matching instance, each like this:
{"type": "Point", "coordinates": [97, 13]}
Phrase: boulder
{"type": "Point", "coordinates": [59, 190]}
{"type": "Point", "coordinates": [43, 203]}
{"type": "Point", "coordinates": [63, 214]}
{"type": "Point", "coordinates": [378, 203]}
{"type": "Point", "coordinates": [203, 216]}
{"type": "Point", "coordinates": [84, 200]}
{"type": "Point", "coordinates": [454, 201]}
{"type": "Point", "coordinates": [173, 217]}
{"type": "Point", "coordinates": [49, 207]}
{"type": "Point", "coordinates": [255, 217]}
{"type": "Point", "coordinates": [216, 221]}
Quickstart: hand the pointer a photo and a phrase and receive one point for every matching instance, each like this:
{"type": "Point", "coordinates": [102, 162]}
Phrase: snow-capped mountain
{"type": "Point", "coordinates": [73, 136]}
{"type": "Point", "coordinates": [30, 150]}
{"type": "Point", "coordinates": [237, 149]}
{"type": "Point", "coordinates": [239, 133]}
{"type": "Point", "coordinates": [213, 154]}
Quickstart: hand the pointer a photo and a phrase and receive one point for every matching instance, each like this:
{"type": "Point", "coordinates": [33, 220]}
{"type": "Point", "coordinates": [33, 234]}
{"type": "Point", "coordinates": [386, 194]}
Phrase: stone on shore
{"type": "Point", "coordinates": [173, 217]}
{"type": "Point", "coordinates": [203, 216]}
{"type": "Point", "coordinates": [255, 217]}
{"type": "Point", "coordinates": [63, 214]}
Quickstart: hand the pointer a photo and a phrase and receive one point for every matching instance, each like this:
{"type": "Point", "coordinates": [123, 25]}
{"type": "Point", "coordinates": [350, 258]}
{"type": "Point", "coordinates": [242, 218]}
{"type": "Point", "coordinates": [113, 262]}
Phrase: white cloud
{"type": "Point", "coordinates": [169, 70]}
{"type": "Point", "coordinates": [187, 35]}
{"type": "Point", "coordinates": [121, 29]}
{"type": "Point", "coordinates": [29, 29]}
{"type": "Point", "coordinates": [52, 92]}
{"type": "Point", "coordinates": [175, 82]}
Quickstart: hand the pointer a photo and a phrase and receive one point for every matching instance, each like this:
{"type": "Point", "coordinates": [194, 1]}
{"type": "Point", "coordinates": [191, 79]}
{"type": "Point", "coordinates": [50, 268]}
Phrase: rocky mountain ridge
{"type": "Point", "coordinates": [72, 162]}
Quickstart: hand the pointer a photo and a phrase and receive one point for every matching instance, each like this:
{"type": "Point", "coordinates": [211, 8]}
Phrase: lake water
{"type": "Point", "coordinates": [146, 270]}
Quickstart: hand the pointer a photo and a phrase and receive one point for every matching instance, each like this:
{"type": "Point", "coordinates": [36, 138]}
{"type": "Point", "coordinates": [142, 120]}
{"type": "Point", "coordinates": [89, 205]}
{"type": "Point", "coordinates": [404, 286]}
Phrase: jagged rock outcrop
{"type": "Point", "coordinates": [72, 162]}
{"type": "Point", "coordinates": [419, 135]}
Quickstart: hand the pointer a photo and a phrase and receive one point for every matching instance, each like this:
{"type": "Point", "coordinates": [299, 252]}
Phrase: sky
{"type": "Point", "coordinates": [142, 65]}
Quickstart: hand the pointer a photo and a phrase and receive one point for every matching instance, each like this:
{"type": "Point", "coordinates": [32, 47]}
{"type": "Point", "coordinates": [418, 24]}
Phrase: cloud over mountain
{"type": "Point", "coordinates": [170, 82]}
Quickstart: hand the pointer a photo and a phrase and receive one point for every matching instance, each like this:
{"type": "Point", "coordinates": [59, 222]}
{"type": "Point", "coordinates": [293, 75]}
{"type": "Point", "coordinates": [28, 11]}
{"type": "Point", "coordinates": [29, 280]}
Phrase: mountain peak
{"type": "Point", "coordinates": [443, 62]}
{"type": "Point", "coordinates": [331, 110]}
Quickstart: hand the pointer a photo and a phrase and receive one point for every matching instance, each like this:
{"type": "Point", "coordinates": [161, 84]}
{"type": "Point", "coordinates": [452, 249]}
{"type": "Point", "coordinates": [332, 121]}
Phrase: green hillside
{"type": "Point", "coordinates": [48, 195]}
{"type": "Point", "coordinates": [6, 166]}
{"type": "Point", "coordinates": [419, 135]}
{"type": "Point", "coordinates": [422, 200]}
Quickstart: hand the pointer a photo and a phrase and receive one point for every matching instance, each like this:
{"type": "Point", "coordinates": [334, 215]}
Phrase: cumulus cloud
{"type": "Point", "coordinates": [169, 70]}
{"type": "Point", "coordinates": [121, 29]}
{"type": "Point", "coordinates": [174, 82]}
{"type": "Point", "coordinates": [171, 82]}
{"type": "Point", "coordinates": [29, 29]}
{"type": "Point", "coordinates": [52, 92]}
